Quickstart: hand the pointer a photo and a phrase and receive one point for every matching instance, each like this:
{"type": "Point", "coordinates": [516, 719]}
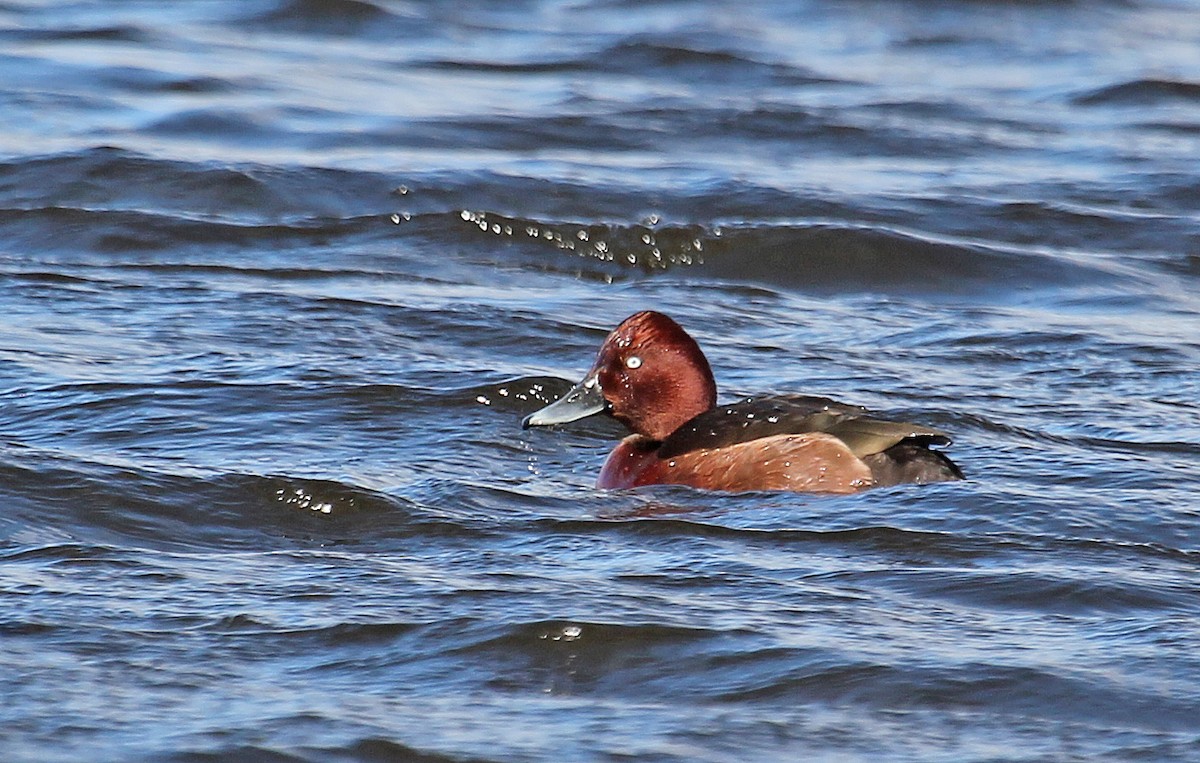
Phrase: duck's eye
{"type": "Point", "coordinates": [633, 361]}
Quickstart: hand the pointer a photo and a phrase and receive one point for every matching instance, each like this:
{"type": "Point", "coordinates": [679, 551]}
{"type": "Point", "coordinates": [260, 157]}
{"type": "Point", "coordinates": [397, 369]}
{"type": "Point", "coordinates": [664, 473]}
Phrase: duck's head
{"type": "Point", "coordinates": [649, 375]}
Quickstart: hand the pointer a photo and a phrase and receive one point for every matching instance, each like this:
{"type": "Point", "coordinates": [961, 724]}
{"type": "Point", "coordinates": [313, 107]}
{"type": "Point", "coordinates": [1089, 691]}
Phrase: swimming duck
{"type": "Point", "coordinates": [652, 377]}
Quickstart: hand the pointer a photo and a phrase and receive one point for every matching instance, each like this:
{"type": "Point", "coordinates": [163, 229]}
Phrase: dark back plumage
{"type": "Point", "coordinates": [758, 417]}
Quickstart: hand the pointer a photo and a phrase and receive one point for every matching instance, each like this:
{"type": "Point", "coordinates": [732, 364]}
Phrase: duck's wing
{"type": "Point", "coordinates": [758, 417]}
{"type": "Point", "coordinates": [865, 435]}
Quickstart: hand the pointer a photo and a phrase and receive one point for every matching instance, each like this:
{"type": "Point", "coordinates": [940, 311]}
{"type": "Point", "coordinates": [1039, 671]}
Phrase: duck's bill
{"type": "Point", "coordinates": [583, 400]}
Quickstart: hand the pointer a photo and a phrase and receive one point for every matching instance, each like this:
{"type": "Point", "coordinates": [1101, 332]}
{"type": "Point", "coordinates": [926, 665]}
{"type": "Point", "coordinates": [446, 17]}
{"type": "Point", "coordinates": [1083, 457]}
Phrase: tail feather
{"type": "Point", "coordinates": [911, 462]}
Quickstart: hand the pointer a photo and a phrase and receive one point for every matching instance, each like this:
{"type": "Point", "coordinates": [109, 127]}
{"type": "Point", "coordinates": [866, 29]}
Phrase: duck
{"type": "Point", "coordinates": [652, 377]}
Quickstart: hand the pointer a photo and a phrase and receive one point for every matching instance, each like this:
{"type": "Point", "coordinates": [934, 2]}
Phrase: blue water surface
{"type": "Point", "coordinates": [279, 280]}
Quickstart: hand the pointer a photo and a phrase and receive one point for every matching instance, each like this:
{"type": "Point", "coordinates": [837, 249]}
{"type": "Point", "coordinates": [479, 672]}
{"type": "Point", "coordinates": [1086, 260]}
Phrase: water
{"type": "Point", "coordinates": [280, 280]}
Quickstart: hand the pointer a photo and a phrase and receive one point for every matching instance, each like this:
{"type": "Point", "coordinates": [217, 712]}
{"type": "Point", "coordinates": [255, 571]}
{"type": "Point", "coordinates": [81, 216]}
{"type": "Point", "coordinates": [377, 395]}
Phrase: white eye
{"type": "Point", "coordinates": [633, 361]}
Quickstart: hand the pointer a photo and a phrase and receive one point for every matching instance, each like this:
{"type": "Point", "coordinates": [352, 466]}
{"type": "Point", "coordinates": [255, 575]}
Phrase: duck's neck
{"type": "Point", "coordinates": [684, 402]}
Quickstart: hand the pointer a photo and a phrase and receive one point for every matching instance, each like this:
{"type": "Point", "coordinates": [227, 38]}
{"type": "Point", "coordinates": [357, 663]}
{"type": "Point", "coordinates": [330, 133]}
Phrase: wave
{"type": "Point", "coordinates": [333, 18]}
{"type": "Point", "coordinates": [1142, 92]}
{"type": "Point", "coordinates": [104, 179]}
{"type": "Point", "coordinates": [747, 233]}
{"type": "Point", "coordinates": [128, 232]}
{"type": "Point", "coordinates": [116, 501]}
{"type": "Point", "coordinates": [369, 748]}
{"type": "Point", "coordinates": [817, 256]}
{"type": "Point", "coordinates": [110, 33]}
{"type": "Point", "coordinates": [637, 54]}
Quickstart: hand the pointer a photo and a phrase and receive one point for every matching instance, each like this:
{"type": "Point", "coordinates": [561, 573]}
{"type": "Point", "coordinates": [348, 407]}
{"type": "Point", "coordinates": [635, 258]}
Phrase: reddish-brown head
{"type": "Point", "coordinates": [653, 375]}
{"type": "Point", "coordinates": [649, 374]}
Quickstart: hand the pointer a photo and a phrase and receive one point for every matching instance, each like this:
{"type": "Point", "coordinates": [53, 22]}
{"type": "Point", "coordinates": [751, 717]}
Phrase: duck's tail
{"type": "Point", "coordinates": [911, 461]}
